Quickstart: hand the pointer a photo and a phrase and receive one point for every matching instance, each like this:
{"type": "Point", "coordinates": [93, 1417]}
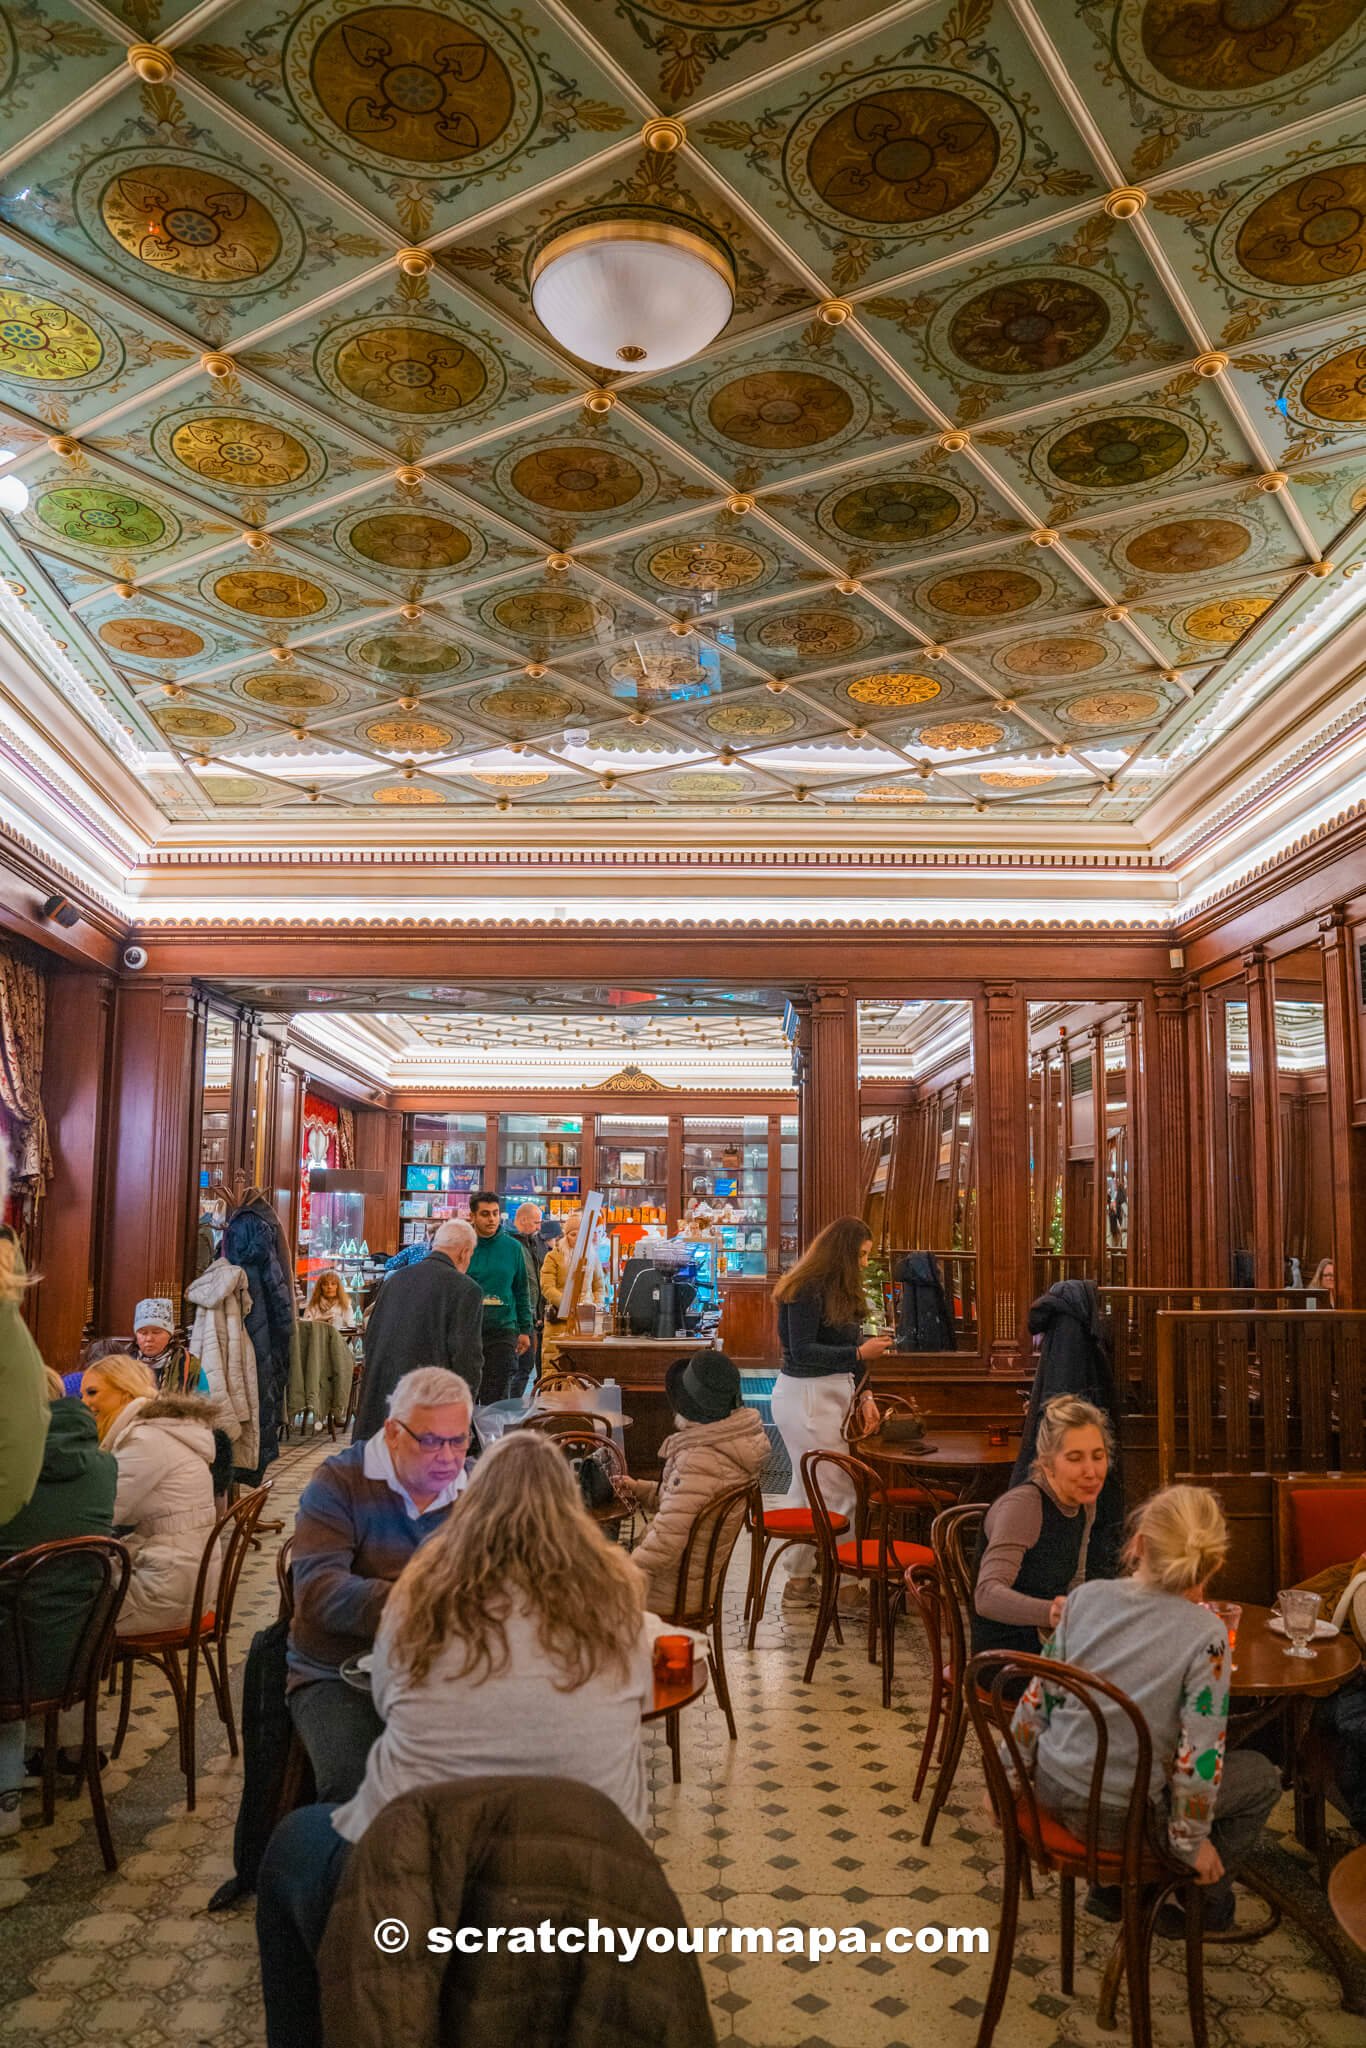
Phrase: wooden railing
{"type": "Point", "coordinates": [958, 1271]}
{"type": "Point", "coordinates": [1133, 1313]}
{"type": "Point", "coordinates": [1260, 1390]}
{"type": "Point", "coordinates": [1050, 1267]}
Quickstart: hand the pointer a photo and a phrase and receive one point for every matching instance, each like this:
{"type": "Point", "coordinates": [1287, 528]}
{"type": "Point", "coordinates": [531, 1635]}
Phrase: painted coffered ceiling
{"type": "Point", "coordinates": [1039, 424]}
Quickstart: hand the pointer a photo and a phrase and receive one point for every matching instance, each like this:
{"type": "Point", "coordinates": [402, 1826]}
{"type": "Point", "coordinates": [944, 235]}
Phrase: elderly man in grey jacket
{"type": "Point", "coordinates": [428, 1314]}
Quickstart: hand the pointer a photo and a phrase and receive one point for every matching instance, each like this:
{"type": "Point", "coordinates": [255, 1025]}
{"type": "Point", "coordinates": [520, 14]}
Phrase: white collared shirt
{"type": "Point", "coordinates": [378, 1463]}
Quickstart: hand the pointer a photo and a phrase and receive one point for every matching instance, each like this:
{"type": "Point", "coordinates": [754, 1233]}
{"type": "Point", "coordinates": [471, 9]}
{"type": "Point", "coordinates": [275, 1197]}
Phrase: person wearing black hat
{"type": "Point", "coordinates": [719, 1444]}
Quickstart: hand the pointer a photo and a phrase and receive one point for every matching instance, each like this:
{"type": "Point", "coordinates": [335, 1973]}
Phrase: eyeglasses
{"type": "Point", "coordinates": [429, 1443]}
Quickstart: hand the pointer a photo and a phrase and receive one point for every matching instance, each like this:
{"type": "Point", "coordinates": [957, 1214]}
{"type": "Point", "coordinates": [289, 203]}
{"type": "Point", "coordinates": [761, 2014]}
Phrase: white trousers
{"type": "Point", "coordinates": [808, 1415]}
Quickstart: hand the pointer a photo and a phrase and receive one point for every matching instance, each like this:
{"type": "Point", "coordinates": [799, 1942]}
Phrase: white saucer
{"type": "Point", "coordinates": [1324, 1631]}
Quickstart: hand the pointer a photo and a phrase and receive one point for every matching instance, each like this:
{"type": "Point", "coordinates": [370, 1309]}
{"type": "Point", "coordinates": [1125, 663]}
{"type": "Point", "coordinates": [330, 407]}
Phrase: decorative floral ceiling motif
{"type": "Point", "coordinates": [1041, 410]}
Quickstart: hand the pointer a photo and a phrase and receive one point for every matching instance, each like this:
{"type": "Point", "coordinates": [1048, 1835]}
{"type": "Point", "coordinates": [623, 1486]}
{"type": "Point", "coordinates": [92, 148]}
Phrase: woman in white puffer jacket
{"type": "Point", "coordinates": [164, 1507]}
{"type": "Point", "coordinates": [719, 1444]}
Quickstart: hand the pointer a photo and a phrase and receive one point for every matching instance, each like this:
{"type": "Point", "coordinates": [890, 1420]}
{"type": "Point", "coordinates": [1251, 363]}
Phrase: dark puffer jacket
{"type": "Point", "coordinates": [1075, 1359]}
{"type": "Point", "coordinates": [254, 1241]}
{"type": "Point", "coordinates": [74, 1497]}
{"type": "Point", "coordinates": [506, 1852]}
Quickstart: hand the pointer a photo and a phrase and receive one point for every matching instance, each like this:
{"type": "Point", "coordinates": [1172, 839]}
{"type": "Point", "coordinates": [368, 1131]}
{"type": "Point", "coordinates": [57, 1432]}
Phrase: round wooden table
{"type": "Point", "coordinates": [671, 1695]}
{"type": "Point", "coordinates": [952, 1451]}
{"type": "Point", "coordinates": [1263, 1670]}
{"type": "Point", "coordinates": [1347, 1896]}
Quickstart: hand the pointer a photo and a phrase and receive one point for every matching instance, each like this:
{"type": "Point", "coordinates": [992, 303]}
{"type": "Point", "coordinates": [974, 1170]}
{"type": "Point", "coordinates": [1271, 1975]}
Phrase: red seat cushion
{"type": "Point", "coordinates": [162, 1639]}
{"type": "Point", "coordinates": [1053, 1843]}
{"type": "Point", "coordinates": [899, 1555]}
{"type": "Point", "coordinates": [797, 1522]}
{"type": "Point", "coordinates": [1330, 1527]}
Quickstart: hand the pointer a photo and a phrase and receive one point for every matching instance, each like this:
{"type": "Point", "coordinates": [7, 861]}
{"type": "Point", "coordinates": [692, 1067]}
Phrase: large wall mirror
{"type": "Point", "coordinates": [920, 1167]}
{"type": "Point", "coordinates": [1082, 1156]}
{"type": "Point", "coordinates": [1306, 1215]}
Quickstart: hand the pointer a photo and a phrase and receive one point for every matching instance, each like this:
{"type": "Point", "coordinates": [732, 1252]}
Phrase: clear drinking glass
{"type": "Point", "coordinates": [1299, 1612]}
{"type": "Point", "coordinates": [1230, 1612]}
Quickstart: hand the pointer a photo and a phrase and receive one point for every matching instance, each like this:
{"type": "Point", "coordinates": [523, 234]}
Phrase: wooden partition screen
{"type": "Point", "coordinates": [1261, 1390]}
{"type": "Point", "coordinates": [1133, 1314]}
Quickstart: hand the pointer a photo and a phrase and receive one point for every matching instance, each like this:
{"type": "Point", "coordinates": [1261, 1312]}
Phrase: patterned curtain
{"type": "Point", "coordinates": [23, 994]}
{"type": "Point", "coordinates": [346, 1136]}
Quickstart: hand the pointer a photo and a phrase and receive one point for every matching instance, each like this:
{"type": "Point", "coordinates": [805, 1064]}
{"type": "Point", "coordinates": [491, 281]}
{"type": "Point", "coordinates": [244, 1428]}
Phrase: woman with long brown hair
{"type": "Point", "coordinates": [516, 1641]}
{"type": "Point", "coordinates": [821, 1304]}
{"type": "Point", "coordinates": [514, 1644]}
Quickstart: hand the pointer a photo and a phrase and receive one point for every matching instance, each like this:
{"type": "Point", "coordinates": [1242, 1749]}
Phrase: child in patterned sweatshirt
{"type": "Point", "coordinates": [1149, 1635]}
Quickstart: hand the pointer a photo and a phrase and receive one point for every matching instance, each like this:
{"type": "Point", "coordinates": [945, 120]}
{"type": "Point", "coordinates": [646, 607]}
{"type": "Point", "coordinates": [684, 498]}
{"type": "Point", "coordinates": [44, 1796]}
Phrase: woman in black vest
{"type": "Point", "coordinates": [1037, 1535]}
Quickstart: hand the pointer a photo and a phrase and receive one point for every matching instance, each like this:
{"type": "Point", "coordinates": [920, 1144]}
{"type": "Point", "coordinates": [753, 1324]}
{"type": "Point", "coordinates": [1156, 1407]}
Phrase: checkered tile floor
{"type": "Point", "coordinates": [806, 1819]}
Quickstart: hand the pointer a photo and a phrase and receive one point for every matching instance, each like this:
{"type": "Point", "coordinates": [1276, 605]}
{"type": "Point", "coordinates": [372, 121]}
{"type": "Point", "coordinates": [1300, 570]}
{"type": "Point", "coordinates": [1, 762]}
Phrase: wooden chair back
{"type": "Point", "coordinates": [956, 1540]}
{"type": "Point", "coordinates": [1320, 1521]}
{"type": "Point", "coordinates": [552, 1381]}
{"type": "Point", "coordinates": [707, 1553]}
{"type": "Point", "coordinates": [565, 1421]}
{"type": "Point", "coordinates": [871, 1517]}
{"type": "Point", "coordinates": [27, 1582]}
{"type": "Point", "coordinates": [993, 1676]}
{"type": "Point", "coordinates": [284, 1577]}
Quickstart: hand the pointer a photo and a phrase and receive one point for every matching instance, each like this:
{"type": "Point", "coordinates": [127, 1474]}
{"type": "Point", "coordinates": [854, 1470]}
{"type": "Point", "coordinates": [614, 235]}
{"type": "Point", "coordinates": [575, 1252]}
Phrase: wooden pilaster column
{"type": "Point", "coordinates": [1264, 1118]}
{"type": "Point", "coordinates": [74, 1099]}
{"type": "Point", "coordinates": [1346, 1140]}
{"type": "Point", "coordinates": [1001, 1104]}
{"type": "Point", "coordinates": [827, 1052]}
{"type": "Point", "coordinates": [1198, 1129]}
{"type": "Point", "coordinates": [1163, 1157]}
{"type": "Point", "coordinates": [152, 1158]}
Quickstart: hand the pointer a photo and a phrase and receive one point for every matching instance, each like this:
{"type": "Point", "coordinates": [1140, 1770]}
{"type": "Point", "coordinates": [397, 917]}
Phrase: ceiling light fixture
{"type": "Point", "coordinates": [633, 294]}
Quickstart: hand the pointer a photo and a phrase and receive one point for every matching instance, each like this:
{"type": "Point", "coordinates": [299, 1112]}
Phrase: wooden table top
{"type": "Point", "coordinates": [672, 1693]}
{"type": "Point", "coordinates": [1347, 1895]}
{"type": "Point", "coordinates": [1262, 1670]}
{"type": "Point", "coordinates": [960, 1449]}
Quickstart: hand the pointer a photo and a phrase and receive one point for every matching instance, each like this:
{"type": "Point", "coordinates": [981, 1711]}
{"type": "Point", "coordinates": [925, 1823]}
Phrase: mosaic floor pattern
{"type": "Point", "coordinates": [806, 1819]}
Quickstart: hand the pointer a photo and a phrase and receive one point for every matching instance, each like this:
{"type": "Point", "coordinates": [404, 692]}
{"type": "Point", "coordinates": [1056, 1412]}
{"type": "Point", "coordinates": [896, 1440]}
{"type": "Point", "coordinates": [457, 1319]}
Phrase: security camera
{"type": "Point", "coordinates": [134, 957]}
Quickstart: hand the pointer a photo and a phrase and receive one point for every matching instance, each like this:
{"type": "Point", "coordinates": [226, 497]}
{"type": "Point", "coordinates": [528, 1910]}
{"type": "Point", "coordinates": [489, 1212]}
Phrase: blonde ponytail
{"type": "Point", "coordinates": [1178, 1538]}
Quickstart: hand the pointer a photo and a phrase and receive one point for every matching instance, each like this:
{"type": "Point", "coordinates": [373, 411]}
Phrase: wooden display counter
{"type": "Point", "coordinates": [749, 1320]}
{"type": "Point", "coordinates": [638, 1365]}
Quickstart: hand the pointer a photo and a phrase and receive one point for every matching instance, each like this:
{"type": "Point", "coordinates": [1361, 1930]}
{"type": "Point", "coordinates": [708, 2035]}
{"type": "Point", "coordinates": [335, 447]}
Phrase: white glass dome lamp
{"type": "Point", "coordinates": [632, 294]}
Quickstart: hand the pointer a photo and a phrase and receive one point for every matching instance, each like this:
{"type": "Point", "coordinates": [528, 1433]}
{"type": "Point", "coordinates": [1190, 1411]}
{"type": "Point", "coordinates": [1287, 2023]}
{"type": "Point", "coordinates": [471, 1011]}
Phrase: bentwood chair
{"type": "Point", "coordinates": [550, 1380]}
{"type": "Point", "coordinates": [780, 1529]}
{"type": "Point", "coordinates": [205, 1636]}
{"type": "Point", "coordinates": [911, 1501]}
{"type": "Point", "coordinates": [1141, 1865]}
{"type": "Point", "coordinates": [870, 1556]}
{"type": "Point", "coordinates": [699, 1589]}
{"type": "Point", "coordinates": [84, 1577]}
{"type": "Point", "coordinates": [559, 1422]}
{"type": "Point", "coordinates": [956, 1540]}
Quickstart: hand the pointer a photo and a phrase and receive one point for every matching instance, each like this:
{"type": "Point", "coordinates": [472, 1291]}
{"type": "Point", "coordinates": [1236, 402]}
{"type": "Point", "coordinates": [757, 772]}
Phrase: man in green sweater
{"type": "Point", "coordinates": [498, 1264]}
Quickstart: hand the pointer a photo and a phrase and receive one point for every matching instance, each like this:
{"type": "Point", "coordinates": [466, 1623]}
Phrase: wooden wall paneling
{"type": "Point", "coordinates": [75, 1063]}
{"type": "Point", "coordinates": [153, 1152]}
{"type": "Point", "coordinates": [1164, 1156]}
{"type": "Point", "coordinates": [1263, 1081]}
{"type": "Point", "coordinates": [588, 1155]}
{"type": "Point", "coordinates": [1136, 1096]}
{"type": "Point", "coordinates": [1001, 1095]}
{"type": "Point", "coordinates": [491, 1148]}
{"type": "Point", "coordinates": [1346, 1140]}
{"type": "Point", "coordinates": [829, 1110]}
{"type": "Point", "coordinates": [1215, 1156]}
{"type": "Point", "coordinates": [379, 1149]}
{"type": "Point", "coordinates": [242, 1120]}
{"type": "Point", "coordinates": [1197, 1178]}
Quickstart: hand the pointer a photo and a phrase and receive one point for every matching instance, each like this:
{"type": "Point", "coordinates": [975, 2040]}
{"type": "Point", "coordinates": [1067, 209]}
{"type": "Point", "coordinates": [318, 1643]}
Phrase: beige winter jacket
{"type": "Point", "coordinates": [701, 1460]}
{"type": "Point", "coordinates": [554, 1274]}
{"type": "Point", "coordinates": [219, 1341]}
{"type": "Point", "coordinates": [164, 1507]}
